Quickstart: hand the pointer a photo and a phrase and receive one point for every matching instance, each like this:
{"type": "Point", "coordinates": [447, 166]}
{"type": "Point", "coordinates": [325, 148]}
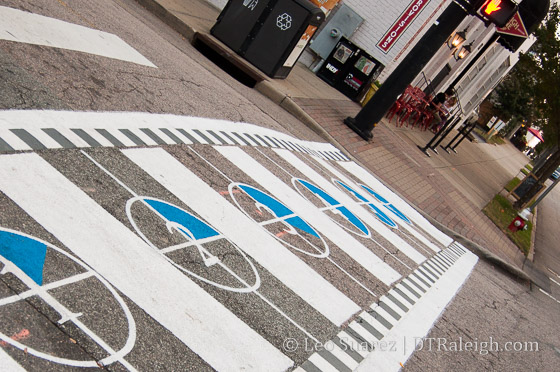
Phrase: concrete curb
{"type": "Point", "coordinates": [267, 89]}
{"type": "Point", "coordinates": [480, 251]}
{"type": "Point", "coordinates": [169, 18]}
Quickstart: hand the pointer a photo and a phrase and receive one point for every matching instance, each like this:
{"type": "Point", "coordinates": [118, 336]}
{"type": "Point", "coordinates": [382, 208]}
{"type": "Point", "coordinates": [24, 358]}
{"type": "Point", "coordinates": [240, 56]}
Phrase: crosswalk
{"type": "Point", "coordinates": [232, 239]}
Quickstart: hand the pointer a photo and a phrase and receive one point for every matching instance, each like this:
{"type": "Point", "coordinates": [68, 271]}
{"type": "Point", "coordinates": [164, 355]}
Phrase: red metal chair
{"type": "Point", "coordinates": [427, 120]}
{"type": "Point", "coordinates": [394, 109]}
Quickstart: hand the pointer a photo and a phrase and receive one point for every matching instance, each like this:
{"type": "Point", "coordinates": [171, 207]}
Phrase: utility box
{"type": "Point", "coordinates": [269, 34]}
{"type": "Point", "coordinates": [342, 23]}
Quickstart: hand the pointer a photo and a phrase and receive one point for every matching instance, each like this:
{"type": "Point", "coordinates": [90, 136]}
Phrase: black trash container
{"type": "Point", "coordinates": [349, 69]}
{"type": "Point", "coordinates": [269, 34]}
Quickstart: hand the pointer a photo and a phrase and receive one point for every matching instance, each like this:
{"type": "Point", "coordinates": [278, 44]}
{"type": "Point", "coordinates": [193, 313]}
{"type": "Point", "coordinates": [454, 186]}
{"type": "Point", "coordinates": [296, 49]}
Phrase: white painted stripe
{"type": "Point", "coordinates": [348, 202]}
{"type": "Point", "coordinates": [73, 137]}
{"type": "Point", "coordinates": [444, 259]}
{"type": "Point", "coordinates": [385, 315]}
{"type": "Point", "coordinates": [243, 135]}
{"type": "Point", "coordinates": [8, 364]}
{"type": "Point", "coordinates": [310, 213]}
{"type": "Point", "coordinates": [197, 136]}
{"type": "Point", "coordinates": [364, 333]}
{"type": "Point", "coordinates": [299, 369]}
{"type": "Point", "coordinates": [164, 137]}
{"type": "Point", "coordinates": [236, 136]}
{"type": "Point", "coordinates": [441, 264]}
{"type": "Point", "coordinates": [453, 250]}
{"type": "Point", "coordinates": [121, 137]}
{"type": "Point", "coordinates": [321, 363]}
{"type": "Point", "coordinates": [341, 355]}
{"type": "Point", "coordinates": [128, 263]}
{"type": "Point", "coordinates": [25, 27]}
{"type": "Point", "coordinates": [44, 138]}
{"type": "Point", "coordinates": [549, 295]}
{"type": "Point", "coordinates": [181, 136]}
{"type": "Point", "coordinates": [410, 279]}
{"type": "Point", "coordinates": [272, 255]}
{"type": "Point", "coordinates": [144, 137]}
{"type": "Point", "coordinates": [221, 135]}
{"type": "Point", "coordinates": [449, 256]}
{"type": "Point", "coordinates": [98, 137]}
{"type": "Point", "coordinates": [14, 141]}
{"type": "Point", "coordinates": [458, 248]}
{"type": "Point", "coordinates": [430, 269]}
{"type": "Point", "coordinates": [375, 184]}
{"type": "Point", "coordinates": [261, 142]}
{"type": "Point", "coordinates": [425, 275]}
{"type": "Point", "coordinates": [350, 341]}
{"type": "Point", "coordinates": [401, 299]}
{"type": "Point", "coordinates": [388, 302]}
{"type": "Point", "coordinates": [414, 283]}
{"type": "Point", "coordinates": [374, 322]}
{"type": "Point", "coordinates": [414, 232]}
{"type": "Point", "coordinates": [437, 266]}
{"type": "Point", "coordinates": [417, 323]}
{"type": "Point", "coordinates": [412, 296]}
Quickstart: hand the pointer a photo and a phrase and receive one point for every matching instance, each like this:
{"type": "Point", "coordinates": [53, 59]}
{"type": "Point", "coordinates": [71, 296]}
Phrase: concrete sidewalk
{"type": "Point", "coordinates": [450, 188]}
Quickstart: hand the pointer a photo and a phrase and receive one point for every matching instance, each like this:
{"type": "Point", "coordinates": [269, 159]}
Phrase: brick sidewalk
{"type": "Point", "coordinates": [400, 164]}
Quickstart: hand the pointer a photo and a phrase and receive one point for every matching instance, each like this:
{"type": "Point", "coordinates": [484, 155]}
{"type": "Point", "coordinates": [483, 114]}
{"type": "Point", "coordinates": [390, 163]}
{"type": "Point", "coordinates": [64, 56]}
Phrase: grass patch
{"type": "Point", "coordinates": [501, 212]}
{"type": "Point", "coordinates": [496, 140]}
{"type": "Point", "coordinates": [511, 184]}
{"type": "Point", "coordinates": [529, 167]}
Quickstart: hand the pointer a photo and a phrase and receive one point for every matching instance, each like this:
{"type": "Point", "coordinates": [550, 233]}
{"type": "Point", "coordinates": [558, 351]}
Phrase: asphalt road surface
{"type": "Point", "coordinates": [158, 215]}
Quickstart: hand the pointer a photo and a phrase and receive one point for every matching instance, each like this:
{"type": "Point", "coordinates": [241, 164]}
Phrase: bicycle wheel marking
{"type": "Point", "coordinates": [24, 256]}
{"type": "Point", "coordinates": [284, 224]}
{"type": "Point", "coordinates": [376, 211]}
{"type": "Point", "coordinates": [334, 207]}
{"type": "Point", "coordinates": [197, 234]}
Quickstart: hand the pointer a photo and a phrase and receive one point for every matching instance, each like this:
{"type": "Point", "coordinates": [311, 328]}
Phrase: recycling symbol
{"type": "Point", "coordinates": [284, 21]}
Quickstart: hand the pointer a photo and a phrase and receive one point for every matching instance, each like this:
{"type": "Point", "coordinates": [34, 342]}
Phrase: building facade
{"type": "Point", "coordinates": [389, 29]}
{"type": "Point", "coordinates": [474, 77]}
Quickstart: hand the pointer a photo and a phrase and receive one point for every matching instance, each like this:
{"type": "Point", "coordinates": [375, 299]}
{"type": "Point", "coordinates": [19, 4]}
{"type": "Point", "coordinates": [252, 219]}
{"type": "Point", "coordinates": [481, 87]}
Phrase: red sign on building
{"type": "Point", "coordinates": [514, 27]}
{"type": "Point", "coordinates": [400, 26]}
